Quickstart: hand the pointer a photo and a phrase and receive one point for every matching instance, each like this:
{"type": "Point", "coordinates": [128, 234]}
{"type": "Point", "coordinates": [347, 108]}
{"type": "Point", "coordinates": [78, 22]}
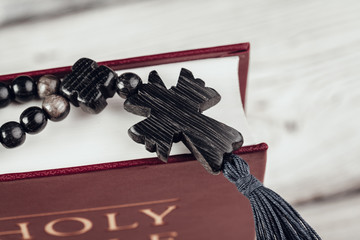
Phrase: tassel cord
{"type": "Point", "coordinates": [275, 224]}
{"type": "Point", "coordinates": [261, 219]}
{"type": "Point", "coordinates": [283, 225]}
{"type": "Point", "coordinates": [274, 218]}
{"type": "Point", "coordinates": [301, 225]}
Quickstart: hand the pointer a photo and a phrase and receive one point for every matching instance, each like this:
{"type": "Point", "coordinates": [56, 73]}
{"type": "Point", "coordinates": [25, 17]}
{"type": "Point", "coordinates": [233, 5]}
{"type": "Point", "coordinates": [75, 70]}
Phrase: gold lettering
{"type": "Point", "coordinates": [163, 236]}
{"type": "Point", "coordinates": [158, 219]}
{"type": "Point", "coordinates": [87, 225]}
{"type": "Point", "coordinates": [24, 231]}
{"type": "Point", "coordinates": [112, 225]}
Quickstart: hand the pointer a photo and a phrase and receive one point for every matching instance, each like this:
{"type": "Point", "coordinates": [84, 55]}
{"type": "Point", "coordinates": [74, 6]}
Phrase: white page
{"type": "Point", "coordinates": [83, 139]}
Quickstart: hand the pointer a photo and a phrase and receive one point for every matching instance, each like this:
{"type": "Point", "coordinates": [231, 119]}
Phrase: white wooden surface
{"type": "Point", "coordinates": [304, 89]}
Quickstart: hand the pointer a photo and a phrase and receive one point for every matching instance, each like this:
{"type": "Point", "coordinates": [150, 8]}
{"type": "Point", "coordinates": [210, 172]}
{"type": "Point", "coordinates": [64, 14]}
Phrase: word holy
{"type": "Point", "coordinates": [24, 229]}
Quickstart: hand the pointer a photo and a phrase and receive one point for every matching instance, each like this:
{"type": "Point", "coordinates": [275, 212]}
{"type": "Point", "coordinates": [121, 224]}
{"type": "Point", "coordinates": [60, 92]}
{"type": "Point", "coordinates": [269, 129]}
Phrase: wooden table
{"type": "Point", "coordinates": [304, 89]}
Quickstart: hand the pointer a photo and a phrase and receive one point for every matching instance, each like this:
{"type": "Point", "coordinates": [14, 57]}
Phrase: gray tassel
{"type": "Point", "coordinates": [274, 217]}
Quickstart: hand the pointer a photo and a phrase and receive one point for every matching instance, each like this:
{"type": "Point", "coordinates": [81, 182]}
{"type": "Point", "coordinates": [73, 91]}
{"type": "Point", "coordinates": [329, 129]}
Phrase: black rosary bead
{"type": "Point", "coordinates": [24, 88]}
{"type": "Point", "coordinates": [5, 95]}
{"type": "Point", "coordinates": [33, 120]}
{"type": "Point", "coordinates": [12, 135]}
{"type": "Point", "coordinates": [128, 84]}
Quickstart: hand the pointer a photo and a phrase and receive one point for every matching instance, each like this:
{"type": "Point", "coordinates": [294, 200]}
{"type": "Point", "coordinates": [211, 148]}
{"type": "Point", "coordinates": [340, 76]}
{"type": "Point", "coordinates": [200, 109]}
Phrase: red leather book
{"type": "Point", "coordinates": [134, 199]}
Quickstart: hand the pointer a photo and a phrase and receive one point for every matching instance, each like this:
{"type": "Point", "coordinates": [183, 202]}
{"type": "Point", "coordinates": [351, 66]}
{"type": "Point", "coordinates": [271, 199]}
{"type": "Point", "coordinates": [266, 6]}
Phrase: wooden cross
{"type": "Point", "coordinates": [175, 114]}
{"type": "Point", "coordinates": [89, 85]}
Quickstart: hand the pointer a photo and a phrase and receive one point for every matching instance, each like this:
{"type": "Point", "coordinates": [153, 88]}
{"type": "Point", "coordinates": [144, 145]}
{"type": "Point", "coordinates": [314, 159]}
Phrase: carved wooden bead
{"type": "Point", "coordinates": [24, 88]}
{"type": "Point", "coordinates": [56, 107]}
{"type": "Point", "coordinates": [128, 84]}
{"type": "Point", "coordinates": [12, 135]}
{"type": "Point", "coordinates": [5, 95]}
{"type": "Point", "coordinates": [47, 85]}
{"type": "Point", "coordinates": [89, 85]}
{"type": "Point", "coordinates": [33, 120]}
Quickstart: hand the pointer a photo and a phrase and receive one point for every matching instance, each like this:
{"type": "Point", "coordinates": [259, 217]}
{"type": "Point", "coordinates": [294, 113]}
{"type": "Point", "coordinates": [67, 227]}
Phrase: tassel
{"type": "Point", "coordinates": [274, 217]}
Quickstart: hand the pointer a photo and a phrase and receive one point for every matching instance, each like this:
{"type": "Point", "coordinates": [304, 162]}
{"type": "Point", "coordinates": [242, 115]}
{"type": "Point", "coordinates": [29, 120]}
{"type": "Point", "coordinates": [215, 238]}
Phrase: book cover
{"type": "Point", "coordinates": [139, 198]}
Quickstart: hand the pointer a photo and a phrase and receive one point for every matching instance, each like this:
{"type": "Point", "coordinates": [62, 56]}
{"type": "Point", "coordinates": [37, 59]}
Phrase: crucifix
{"type": "Point", "coordinates": [175, 114]}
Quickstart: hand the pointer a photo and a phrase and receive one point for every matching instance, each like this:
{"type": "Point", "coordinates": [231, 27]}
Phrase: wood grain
{"type": "Point", "coordinates": [174, 115]}
{"type": "Point", "coordinates": [89, 85]}
{"type": "Point", "coordinates": [303, 93]}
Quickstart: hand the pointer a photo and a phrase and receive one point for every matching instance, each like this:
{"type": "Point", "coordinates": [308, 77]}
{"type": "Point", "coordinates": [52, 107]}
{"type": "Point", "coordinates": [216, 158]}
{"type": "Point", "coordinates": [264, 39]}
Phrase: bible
{"type": "Point", "coordinates": [84, 178]}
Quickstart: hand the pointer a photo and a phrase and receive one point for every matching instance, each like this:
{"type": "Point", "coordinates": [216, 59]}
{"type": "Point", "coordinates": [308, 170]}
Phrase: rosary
{"type": "Point", "coordinates": [172, 115]}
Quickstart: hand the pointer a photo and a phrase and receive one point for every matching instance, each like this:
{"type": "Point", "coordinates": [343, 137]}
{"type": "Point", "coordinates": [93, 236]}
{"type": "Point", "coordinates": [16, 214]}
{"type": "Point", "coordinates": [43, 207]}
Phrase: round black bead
{"type": "Point", "coordinates": [24, 88]}
{"type": "Point", "coordinates": [12, 135]}
{"type": "Point", "coordinates": [5, 95]}
{"type": "Point", "coordinates": [128, 84]}
{"type": "Point", "coordinates": [33, 120]}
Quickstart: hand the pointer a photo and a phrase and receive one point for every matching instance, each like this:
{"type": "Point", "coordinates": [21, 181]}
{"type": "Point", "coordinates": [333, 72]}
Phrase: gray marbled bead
{"type": "Point", "coordinates": [56, 107]}
{"type": "Point", "coordinates": [47, 85]}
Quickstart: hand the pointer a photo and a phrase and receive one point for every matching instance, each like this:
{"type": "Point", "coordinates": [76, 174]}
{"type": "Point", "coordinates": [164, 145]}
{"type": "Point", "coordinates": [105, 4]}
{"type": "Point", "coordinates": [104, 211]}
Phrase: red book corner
{"type": "Point", "coordinates": [137, 199]}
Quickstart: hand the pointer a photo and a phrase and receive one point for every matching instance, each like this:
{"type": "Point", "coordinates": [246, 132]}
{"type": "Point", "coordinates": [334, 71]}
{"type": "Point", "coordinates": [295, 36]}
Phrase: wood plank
{"type": "Point", "coordinates": [334, 219]}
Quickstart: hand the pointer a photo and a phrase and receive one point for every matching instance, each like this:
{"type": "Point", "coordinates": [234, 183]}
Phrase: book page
{"type": "Point", "coordinates": [84, 139]}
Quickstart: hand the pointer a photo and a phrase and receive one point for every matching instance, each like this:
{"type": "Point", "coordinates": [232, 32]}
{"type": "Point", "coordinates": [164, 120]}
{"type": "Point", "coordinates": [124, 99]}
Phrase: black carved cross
{"type": "Point", "coordinates": [89, 85]}
{"type": "Point", "coordinates": [175, 115]}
